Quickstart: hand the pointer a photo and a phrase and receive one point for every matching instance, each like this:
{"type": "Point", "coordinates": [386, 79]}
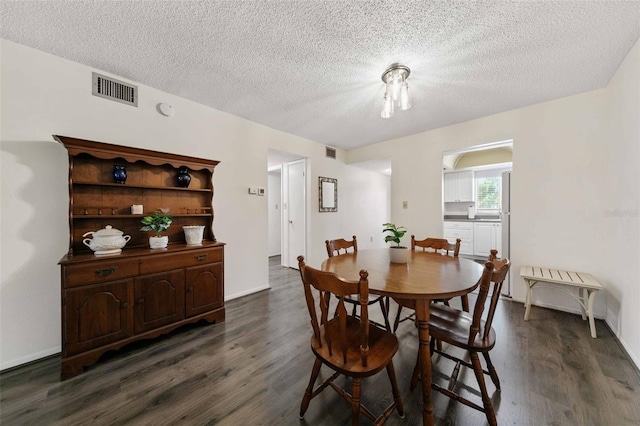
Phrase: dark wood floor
{"type": "Point", "coordinates": [252, 370]}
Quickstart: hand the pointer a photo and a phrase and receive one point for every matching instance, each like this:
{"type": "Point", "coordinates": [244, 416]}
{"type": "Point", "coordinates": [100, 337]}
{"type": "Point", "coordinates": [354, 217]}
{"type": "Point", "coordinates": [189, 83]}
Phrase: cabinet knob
{"type": "Point", "coordinates": [190, 289]}
{"type": "Point", "coordinates": [140, 301]}
{"type": "Point", "coordinates": [124, 305]}
{"type": "Point", "coordinates": [201, 257]}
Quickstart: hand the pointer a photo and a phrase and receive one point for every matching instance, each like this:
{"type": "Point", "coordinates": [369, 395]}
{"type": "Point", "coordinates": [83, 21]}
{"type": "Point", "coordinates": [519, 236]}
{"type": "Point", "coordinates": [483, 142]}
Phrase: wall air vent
{"type": "Point", "coordinates": [331, 152]}
{"type": "Point", "coordinates": [115, 90]}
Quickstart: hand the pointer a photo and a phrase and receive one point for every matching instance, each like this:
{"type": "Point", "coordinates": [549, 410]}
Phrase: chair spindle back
{"type": "Point", "coordinates": [499, 275]}
{"type": "Point", "coordinates": [334, 330]}
{"type": "Point", "coordinates": [436, 244]}
{"type": "Point", "coordinates": [334, 246]}
{"type": "Point", "coordinates": [495, 271]}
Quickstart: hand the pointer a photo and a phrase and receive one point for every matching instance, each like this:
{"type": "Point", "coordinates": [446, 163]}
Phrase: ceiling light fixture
{"type": "Point", "coordinates": [396, 94]}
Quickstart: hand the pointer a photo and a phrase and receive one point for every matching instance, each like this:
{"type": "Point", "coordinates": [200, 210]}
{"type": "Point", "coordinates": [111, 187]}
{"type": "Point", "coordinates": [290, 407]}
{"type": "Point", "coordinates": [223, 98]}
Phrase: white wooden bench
{"type": "Point", "coordinates": [563, 280]}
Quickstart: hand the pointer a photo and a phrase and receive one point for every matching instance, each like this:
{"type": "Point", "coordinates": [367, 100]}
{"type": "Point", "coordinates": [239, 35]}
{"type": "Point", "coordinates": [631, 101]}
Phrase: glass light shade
{"type": "Point", "coordinates": [395, 84]}
{"type": "Point", "coordinates": [387, 107]}
{"type": "Point", "coordinates": [405, 102]}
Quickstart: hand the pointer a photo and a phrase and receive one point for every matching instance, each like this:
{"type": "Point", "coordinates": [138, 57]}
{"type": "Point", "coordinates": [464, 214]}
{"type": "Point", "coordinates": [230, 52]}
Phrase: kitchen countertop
{"type": "Point", "coordinates": [453, 218]}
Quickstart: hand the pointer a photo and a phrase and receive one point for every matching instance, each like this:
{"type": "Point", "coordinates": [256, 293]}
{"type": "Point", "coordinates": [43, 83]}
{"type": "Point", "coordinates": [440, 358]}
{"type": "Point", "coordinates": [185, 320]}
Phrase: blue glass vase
{"type": "Point", "coordinates": [184, 179]}
{"type": "Point", "coordinates": [119, 174]}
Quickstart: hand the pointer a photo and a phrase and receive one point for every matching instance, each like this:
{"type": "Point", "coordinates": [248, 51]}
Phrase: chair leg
{"type": "Point", "coordinates": [391, 372]}
{"type": "Point", "coordinates": [309, 391]}
{"type": "Point", "coordinates": [355, 402]}
{"type": "Point", "coordinates": [486, 401]}
{"type": "Point", "coordinates": [492, 371]}
{"type": "Point", "coordinates": [397, 321]}
{"type": "Point", "coordinates": [385, 312]}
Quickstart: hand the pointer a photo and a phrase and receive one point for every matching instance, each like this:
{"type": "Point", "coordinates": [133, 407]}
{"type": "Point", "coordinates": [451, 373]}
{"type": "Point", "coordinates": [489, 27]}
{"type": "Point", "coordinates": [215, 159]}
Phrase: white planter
{"type": "Point", "coordinates": [158, 242]}
{"type": "Point", "coordinates": [193, 234]}
{"type": "Point", "coordinates": [399, 254]}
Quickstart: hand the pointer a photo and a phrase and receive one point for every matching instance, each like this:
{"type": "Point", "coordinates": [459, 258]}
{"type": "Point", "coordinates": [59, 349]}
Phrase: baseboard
{"type": "Point", "coordinates": [20, 362]}
{"type": "Point", "coordinates": [625, 348]}
{"type": "Point", "coordinates": [246, 293]}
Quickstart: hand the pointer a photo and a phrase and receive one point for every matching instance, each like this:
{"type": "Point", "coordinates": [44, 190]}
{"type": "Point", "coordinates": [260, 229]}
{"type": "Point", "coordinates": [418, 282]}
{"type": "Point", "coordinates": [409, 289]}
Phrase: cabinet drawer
{"type": "Point", "coordinates": [463, 234]}
{"type": "Point", "coordinates": [458, 225]}
{"type": "Point", "coordinates": [99, 272]}
{"type": "Point", "coordinates": [180, 260]}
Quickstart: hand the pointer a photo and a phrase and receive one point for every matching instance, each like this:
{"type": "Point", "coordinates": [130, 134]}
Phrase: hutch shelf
{"type": "Point", "coordinates": [110, 301]}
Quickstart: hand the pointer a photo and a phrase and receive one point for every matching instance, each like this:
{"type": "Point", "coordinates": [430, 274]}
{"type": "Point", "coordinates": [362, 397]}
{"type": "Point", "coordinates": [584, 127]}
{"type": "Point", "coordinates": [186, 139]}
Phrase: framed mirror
{"type": "Point", "coordinates": [328, 194]}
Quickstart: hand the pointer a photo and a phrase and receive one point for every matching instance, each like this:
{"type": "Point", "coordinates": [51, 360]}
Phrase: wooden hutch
{"type": "Point", "coordinates": [110, 301]}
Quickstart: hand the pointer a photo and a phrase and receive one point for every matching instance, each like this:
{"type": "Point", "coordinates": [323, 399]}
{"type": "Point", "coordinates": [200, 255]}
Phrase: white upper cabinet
{"type": "Point", "coordinates": [458, 186]}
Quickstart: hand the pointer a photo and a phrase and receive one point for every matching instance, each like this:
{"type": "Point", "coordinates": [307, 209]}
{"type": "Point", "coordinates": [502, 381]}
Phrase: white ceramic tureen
{"type": "Point", "coordinates": [106, 241]}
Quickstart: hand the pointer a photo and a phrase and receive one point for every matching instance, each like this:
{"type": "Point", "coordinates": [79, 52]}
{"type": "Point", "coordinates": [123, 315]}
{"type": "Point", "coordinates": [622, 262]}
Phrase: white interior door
{"type": "Point", "coordinates": [274, 214]}
{"type": "Point", "coordinates": [294, 228]}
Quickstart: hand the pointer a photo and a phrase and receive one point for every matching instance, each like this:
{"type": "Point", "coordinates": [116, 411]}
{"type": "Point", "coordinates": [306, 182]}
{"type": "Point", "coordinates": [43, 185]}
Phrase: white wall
{"type": "Point", "coordinates": [274, 209]}
{"type": "Point", "coordinates": [34, 194]}
{"type": "Point", "coordinates": [621, 199]}
{"type": "Point", "coordinates": [567, 155]}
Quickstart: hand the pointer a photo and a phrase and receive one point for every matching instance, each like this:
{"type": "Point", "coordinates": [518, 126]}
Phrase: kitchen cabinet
{"type": "Point", "coordinates": [487, 236]}
{"type": "Point", "coordinates": [458, 186]}
{"type": "Point", "coordinates": [113, 300]}
{"type": "Point", "coordinates": [462, 230]}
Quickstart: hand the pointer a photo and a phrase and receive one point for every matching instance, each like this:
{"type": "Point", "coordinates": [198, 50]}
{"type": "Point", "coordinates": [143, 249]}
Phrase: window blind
{"type": "Point", "coordinates": [488, 193]}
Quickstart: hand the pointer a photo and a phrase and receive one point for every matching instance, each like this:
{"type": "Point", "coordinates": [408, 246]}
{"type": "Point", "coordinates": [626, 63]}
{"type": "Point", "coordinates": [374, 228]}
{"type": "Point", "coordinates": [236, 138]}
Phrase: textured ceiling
{"type": "Point", "coordinates": [312, 68]}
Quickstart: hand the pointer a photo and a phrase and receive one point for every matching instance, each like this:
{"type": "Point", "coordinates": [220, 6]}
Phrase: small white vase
{"type": "Point", "coordinates": [399, 254]}
{"type": "Point", "coordinates": [193, 234]}
{"type": "Point", "coordinates": [158, 242]}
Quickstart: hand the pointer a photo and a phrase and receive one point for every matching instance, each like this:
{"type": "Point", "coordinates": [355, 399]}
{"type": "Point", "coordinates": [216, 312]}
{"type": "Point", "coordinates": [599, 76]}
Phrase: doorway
{"type": "Point", "coordinates": [476, 200]}
{"type": "Point", "coordinates": [287, 207]}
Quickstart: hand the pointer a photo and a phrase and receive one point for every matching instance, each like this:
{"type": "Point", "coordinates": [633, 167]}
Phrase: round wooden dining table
{"type": "Point", "coordinates": [426, 276]}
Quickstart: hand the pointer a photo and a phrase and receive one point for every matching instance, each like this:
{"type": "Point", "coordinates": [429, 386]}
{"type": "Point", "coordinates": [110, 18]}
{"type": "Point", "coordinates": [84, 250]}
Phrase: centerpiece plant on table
{"type": "Point", "coordinates": [397, 253]}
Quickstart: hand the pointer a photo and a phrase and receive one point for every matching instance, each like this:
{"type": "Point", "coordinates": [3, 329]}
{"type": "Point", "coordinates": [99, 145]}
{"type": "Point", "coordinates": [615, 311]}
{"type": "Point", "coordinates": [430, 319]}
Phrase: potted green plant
{"type": "Point", "coordinates": [397, 253]}
{"type": "Point", "coordinates": [158, 222]}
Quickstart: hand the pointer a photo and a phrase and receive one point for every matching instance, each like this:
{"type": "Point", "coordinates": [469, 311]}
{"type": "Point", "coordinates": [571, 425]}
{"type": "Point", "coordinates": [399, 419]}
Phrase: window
{"type": "Point", "coordinates": [488, 193]}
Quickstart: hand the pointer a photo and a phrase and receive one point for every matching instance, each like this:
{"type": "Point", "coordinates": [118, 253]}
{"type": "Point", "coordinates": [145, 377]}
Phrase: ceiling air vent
{"type": "Point", "coordinates": [116, 90]}
{"type": "Point", "coordinates": [331, 152]}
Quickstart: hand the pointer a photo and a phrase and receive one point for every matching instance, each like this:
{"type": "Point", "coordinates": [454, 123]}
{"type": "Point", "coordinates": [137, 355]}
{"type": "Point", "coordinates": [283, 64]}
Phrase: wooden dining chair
{"type": "Point", "coordinates": [342, 246]}
{"type": "Point", "coordinates": [434, 245]}
{"type": "Point", "coordinates": [349, 346]}
{"type": "Point", "coordinates": [472, 333]}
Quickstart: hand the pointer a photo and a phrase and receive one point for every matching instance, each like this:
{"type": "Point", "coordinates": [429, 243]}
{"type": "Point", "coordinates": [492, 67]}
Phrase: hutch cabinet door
{"type": "Point", "coordinates": [204, 288]}
{"type": "Point", "coordinates": [96, 315]}
{"type": "Point", "coordinates": [159, 300]}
